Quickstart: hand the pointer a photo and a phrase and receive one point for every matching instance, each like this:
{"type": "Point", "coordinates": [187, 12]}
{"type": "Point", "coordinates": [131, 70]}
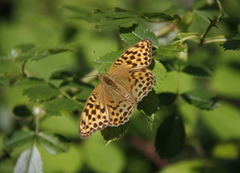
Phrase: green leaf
{"type": "Point", "coordinates": [32, 81]}
{"type": "Point", "coordinates": [82, 12]}
{"type": "Point", "coordinates": [54, 144]}
{"type": "Point", "coordinates": [167, 98]}
{"type": "Point", "coordinates": [160, 73]}
{"type": "Point", "coordinates": [42, 53]}
{"type": "Point", "coordinates": [29, 161]}
{"type": "Point", "coordinates": [226, 150]}
{"type": "Point", "coordinates": [29, 51]}
{"type": "Point", "coordinates": [19, 138]}
{"type": "Point", "coordinates": [149, 104]}
{"type": "Point", "coordinates": [113, 133]}
{"type": "Point", "coordinates": [201, 99]}
{"type": "Point", "coordinates": [110, 159]}
{"type": "Point", "coordinates": [170, 137]}
{"type": "Point", "coordinates": [192, 165]}
{"type": "Point", "coordinates": [63, 75]}
{"type": "Point", "coordinates": [198, 70]}
{"type": "Point", "coordinates": [121, 13]}
{"type": "Point", "coordinates": [118, 17]}
{"type": "Point", "coordinates": [231, 45]}
{"type": "Point", "coordinates": [104, 62]}
{"type": "Point", "coordinates": [21, 50]}
{"type": "Point", "coordinates": [137, 33]}
{"type": "Point", "coordinates": [171, 50]}
{"type": "Point", "coordinates": [125, 22]}
{"type": "Point", "coordinates": [60, 106]}
{"type": "Point", "coordinates": [22, 111]}
{"type": "Point", "coordinates": [40, 92]}
{"type": "Point", "coordinates": [4, 82]}
{"type": "Point", "coordinates": [159, 16]}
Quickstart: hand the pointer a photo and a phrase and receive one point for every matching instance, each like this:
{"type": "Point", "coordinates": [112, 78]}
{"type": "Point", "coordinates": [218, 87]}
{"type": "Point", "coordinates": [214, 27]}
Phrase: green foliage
{"type": "Point", "coordinates": [195, 64]}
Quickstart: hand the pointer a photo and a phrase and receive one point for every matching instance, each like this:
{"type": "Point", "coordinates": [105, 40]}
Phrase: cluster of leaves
{"type": "Point", "coordinates": [45, 96]}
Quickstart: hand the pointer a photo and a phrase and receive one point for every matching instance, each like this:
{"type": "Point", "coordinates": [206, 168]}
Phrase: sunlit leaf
{"type": "Point", "coordinates": [40, 92]}
{"type": "Point", "coordinates": [170, 50]}
{"type": "Point", "coordinates": [60, 106]}
{"type": "Point", "coordinates": [29, 161]}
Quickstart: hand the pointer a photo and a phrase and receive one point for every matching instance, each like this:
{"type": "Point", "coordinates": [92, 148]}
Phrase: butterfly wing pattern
{"type": "Point", "coordinates": [113, 100]}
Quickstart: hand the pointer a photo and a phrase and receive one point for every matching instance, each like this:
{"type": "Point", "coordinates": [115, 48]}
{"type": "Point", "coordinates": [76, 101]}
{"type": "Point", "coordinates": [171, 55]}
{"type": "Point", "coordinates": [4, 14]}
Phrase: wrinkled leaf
{"type": "Point", "coordinates": [60, 106]}
{"type": "Point", "coordinates": [40, 92]}
{"type": "Point", "coordinates": [137, 33]}
{"type": "Point", "coordinates": [171, 50]}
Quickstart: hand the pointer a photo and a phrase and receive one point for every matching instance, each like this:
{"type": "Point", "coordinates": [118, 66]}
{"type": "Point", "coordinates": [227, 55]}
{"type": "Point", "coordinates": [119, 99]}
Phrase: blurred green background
{"type": "Point", "coordinates": [213, 137]}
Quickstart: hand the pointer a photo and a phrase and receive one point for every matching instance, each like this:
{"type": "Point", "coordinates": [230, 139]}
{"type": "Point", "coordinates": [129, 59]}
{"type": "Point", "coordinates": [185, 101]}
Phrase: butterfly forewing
{"type": "Point", "coordinates": [113, 100]}
{"type": "Point", "coordinates": [135, 57]}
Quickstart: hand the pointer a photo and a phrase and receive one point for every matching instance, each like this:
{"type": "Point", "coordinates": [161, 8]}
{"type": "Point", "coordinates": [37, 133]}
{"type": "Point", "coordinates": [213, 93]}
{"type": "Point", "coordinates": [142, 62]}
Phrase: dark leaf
{"type": "Point", "coordinates": [167, 98]}
{"type": "Point", "coordinates": [149, 104]}
{"type": "Point", "coordinates": [231, 45]}
{"type": "Point", "coordinates": [201, 99]}
{"type": "Point", "coordinates": [160, 16]}
{"type": "Point", "coordinates": [64, 75]}
{"type": "Point", "coordinates": [22, 111]}
{"type": "Point", "coordinates": [198, 70]}
{"type": "Point", "coordinates": [170, 137]}
{"type": "Point", "coordinates": [113, 133]}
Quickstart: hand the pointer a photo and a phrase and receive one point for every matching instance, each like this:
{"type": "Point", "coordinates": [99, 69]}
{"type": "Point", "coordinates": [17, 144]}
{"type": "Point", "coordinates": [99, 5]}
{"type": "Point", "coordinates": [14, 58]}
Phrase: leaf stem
{"type": "Point", "coordinates": [213, 22]}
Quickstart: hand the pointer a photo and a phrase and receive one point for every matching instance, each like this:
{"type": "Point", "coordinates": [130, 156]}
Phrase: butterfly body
{"type": "Point", "coordinates": [113, 100]}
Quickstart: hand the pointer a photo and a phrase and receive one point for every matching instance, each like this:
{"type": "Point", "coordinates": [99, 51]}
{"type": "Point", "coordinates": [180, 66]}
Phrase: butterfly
{"type": "Point", "coordinates": [113, 100]}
